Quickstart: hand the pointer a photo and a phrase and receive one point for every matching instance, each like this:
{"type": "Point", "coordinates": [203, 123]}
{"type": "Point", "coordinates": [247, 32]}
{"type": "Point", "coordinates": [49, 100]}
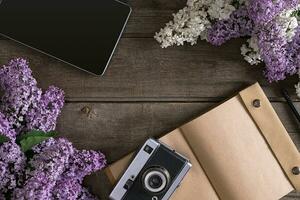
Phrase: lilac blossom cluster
{"type": "Point", "coordinates": [12, 165]}
{"type": "Point", "coordinates": [270, 25]}
{"type": "Point", "coordinates": [264, 11]}
{"type": "Point", "coordinates": [273, 50]}
{"type": "Point", "coordinates": [238, 25]}
{"type": "Point", "coordinates": [294, 50]}
{"type": "Point", "coordinates": [55, 169]}
{"type": "Point", "coordinates": [6, 128]}
{"type": "Point", "coordinates": [261, 19]}
{"type": "Point", "coordinates": [23, 103]}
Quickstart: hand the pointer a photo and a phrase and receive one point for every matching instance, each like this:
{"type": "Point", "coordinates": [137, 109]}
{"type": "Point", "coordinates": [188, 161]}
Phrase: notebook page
{"type": "Point", "coordinates": [234, 154]}
{"type": "Point", "coordinates": [196, 184]}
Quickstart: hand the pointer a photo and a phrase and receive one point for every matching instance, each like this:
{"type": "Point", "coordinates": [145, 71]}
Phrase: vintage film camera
{"type": "Point", "coordinates": [154, 174]}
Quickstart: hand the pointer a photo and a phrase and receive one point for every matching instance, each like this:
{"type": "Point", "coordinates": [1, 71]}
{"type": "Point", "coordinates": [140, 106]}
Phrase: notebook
{"type": "Point", "coordinates": [239, 150]}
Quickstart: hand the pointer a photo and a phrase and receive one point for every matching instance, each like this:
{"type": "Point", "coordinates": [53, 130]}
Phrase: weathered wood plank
{"type": "Point", "coordinates": [146, 26]}
{"type": "Point", "coordinates": [118, 128]}
{"type": "Point", "coordinates": [292, 196]}
{"type": "Point", "coordinates": [141, 70]}
{"type": "Point", "coordinates": [157, 5]}
{"type": "Point", "coordinates": [149, 17]}
{"type": "Point", "coordinates": [108, 124]}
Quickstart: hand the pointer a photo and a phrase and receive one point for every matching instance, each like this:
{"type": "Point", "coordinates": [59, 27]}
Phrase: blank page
{"type": "Point", "coordinates": [196, 184]}
{"type": "Point", "coordinates": [234, 154]}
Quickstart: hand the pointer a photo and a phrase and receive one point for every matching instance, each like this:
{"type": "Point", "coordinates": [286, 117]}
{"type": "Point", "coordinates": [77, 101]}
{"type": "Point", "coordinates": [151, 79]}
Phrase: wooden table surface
{"type": "Point", "coordinates": [147, 91]}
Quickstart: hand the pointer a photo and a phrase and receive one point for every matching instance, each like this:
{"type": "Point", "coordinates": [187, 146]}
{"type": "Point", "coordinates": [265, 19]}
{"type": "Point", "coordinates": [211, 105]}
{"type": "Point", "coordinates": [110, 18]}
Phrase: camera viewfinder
{"type": "Point", "coordinates": [148, 149]}
{"type": "Point", "coordinates": [128, 184]}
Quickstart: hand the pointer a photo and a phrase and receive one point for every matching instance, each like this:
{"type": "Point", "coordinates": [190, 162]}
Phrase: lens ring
{"type": "Point", "coordinates": [162, 178]}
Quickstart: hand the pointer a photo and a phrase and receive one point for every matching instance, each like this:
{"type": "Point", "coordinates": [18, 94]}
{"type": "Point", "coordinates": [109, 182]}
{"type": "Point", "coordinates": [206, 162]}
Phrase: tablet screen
{"type": "Point", "coordinates": [83, 33]}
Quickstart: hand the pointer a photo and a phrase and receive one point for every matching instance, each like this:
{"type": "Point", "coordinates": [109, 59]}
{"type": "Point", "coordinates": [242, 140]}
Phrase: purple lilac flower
{"type": "Point", "coordinates": [12, 165]}
{"type": "Point", "coordinates": [264, 11]}
{"type": "Point", "coordinates": [294, 50]}
{"type": "Point", "coordinates": [44, 116]}
{"type": "Point", "coordinates": [51, 159]}
{"type": "Point", "coordinates": [66, 189]}
{"type": "Point", "coordinates": [45, 144]}
{"type": "Point", "coordinates": [6, 129]}
{"type": "Point", "coordinates": [23, 103]}
{"type": "Point", "coordinates": [86, 195]}
{"type": "Point", "coordinates": [273, 50]}
{"type": "Point", "coordinates": [58, 169]}
{"type": "Point", "coordinates": [258, 17]}
{"type": "Point", "coordinates": [83, 163]}
{"type": "Point", "coordinates": [70, 189]}
{"type": "Point", "coordinates": [238, 25]}
{"type": "Point", "coordinates": [46, 168]}
{"type": "Point", "coordinates": [36, 187]}
{"type": "Point", "coordinates": [20, 91]}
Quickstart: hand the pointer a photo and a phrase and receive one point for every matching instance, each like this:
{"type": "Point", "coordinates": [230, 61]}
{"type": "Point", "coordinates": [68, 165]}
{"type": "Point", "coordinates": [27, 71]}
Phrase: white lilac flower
{"type": "Point", "coordinates": [289, 22]}
{"type": "Point", "coordinates": [192, 21]}
{"type": "Point", "coordinates": [298, 89]}
{"type": "Point", "coordinates": [220, 9]}
{"type": "Point", "coordinates": [186, 26]}
{"type": "Point", "coordinates": [250, 51]}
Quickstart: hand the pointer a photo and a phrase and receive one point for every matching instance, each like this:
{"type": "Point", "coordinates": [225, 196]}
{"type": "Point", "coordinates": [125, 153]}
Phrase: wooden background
{"type": "Point", "coordinates": [147, 91]}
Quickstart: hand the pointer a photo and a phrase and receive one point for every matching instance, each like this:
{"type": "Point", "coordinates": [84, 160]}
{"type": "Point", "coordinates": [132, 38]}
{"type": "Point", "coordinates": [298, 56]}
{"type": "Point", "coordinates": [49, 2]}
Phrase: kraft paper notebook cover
{"type": "Point", "coordinates": [238, 151]}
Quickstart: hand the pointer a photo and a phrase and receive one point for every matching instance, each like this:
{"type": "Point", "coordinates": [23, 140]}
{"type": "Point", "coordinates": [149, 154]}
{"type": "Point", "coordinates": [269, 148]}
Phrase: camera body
{"type": "Point", "coordinates": [154, 174]}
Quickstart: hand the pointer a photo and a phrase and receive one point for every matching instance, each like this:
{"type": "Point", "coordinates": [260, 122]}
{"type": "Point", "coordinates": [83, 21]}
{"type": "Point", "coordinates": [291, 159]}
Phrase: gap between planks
{"type": "Point", "coordinates": [161, 100]}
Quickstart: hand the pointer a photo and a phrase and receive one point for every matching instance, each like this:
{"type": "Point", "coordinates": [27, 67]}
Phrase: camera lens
{"type": "Point", "coordinates": [156, 179]}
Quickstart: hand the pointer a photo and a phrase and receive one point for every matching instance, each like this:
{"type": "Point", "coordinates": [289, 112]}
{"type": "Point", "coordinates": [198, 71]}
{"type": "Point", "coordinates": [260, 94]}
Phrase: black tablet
{"type": "Point", "coordinates": [83, 33]}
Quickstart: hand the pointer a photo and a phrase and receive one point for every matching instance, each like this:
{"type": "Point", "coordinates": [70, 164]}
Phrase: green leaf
{"type": "Point", "coordinates": [28, 143]}
{"type": "Point", "coordinates": [29, 140]}
{"type": "Point", "coordinates": [295, 13]}
{"type": "Point", "coordinates": [36, 133]}
{"type": "Point", "coordinates": [3, 139]}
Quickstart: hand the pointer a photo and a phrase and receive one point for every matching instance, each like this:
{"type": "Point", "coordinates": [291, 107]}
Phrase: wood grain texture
{"type": "Point", "coordinates": [105, 123]}
{"type": "Point", "coordinates": [147, 91]}
{"type": "Point", "coordinates": [141, 70]}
